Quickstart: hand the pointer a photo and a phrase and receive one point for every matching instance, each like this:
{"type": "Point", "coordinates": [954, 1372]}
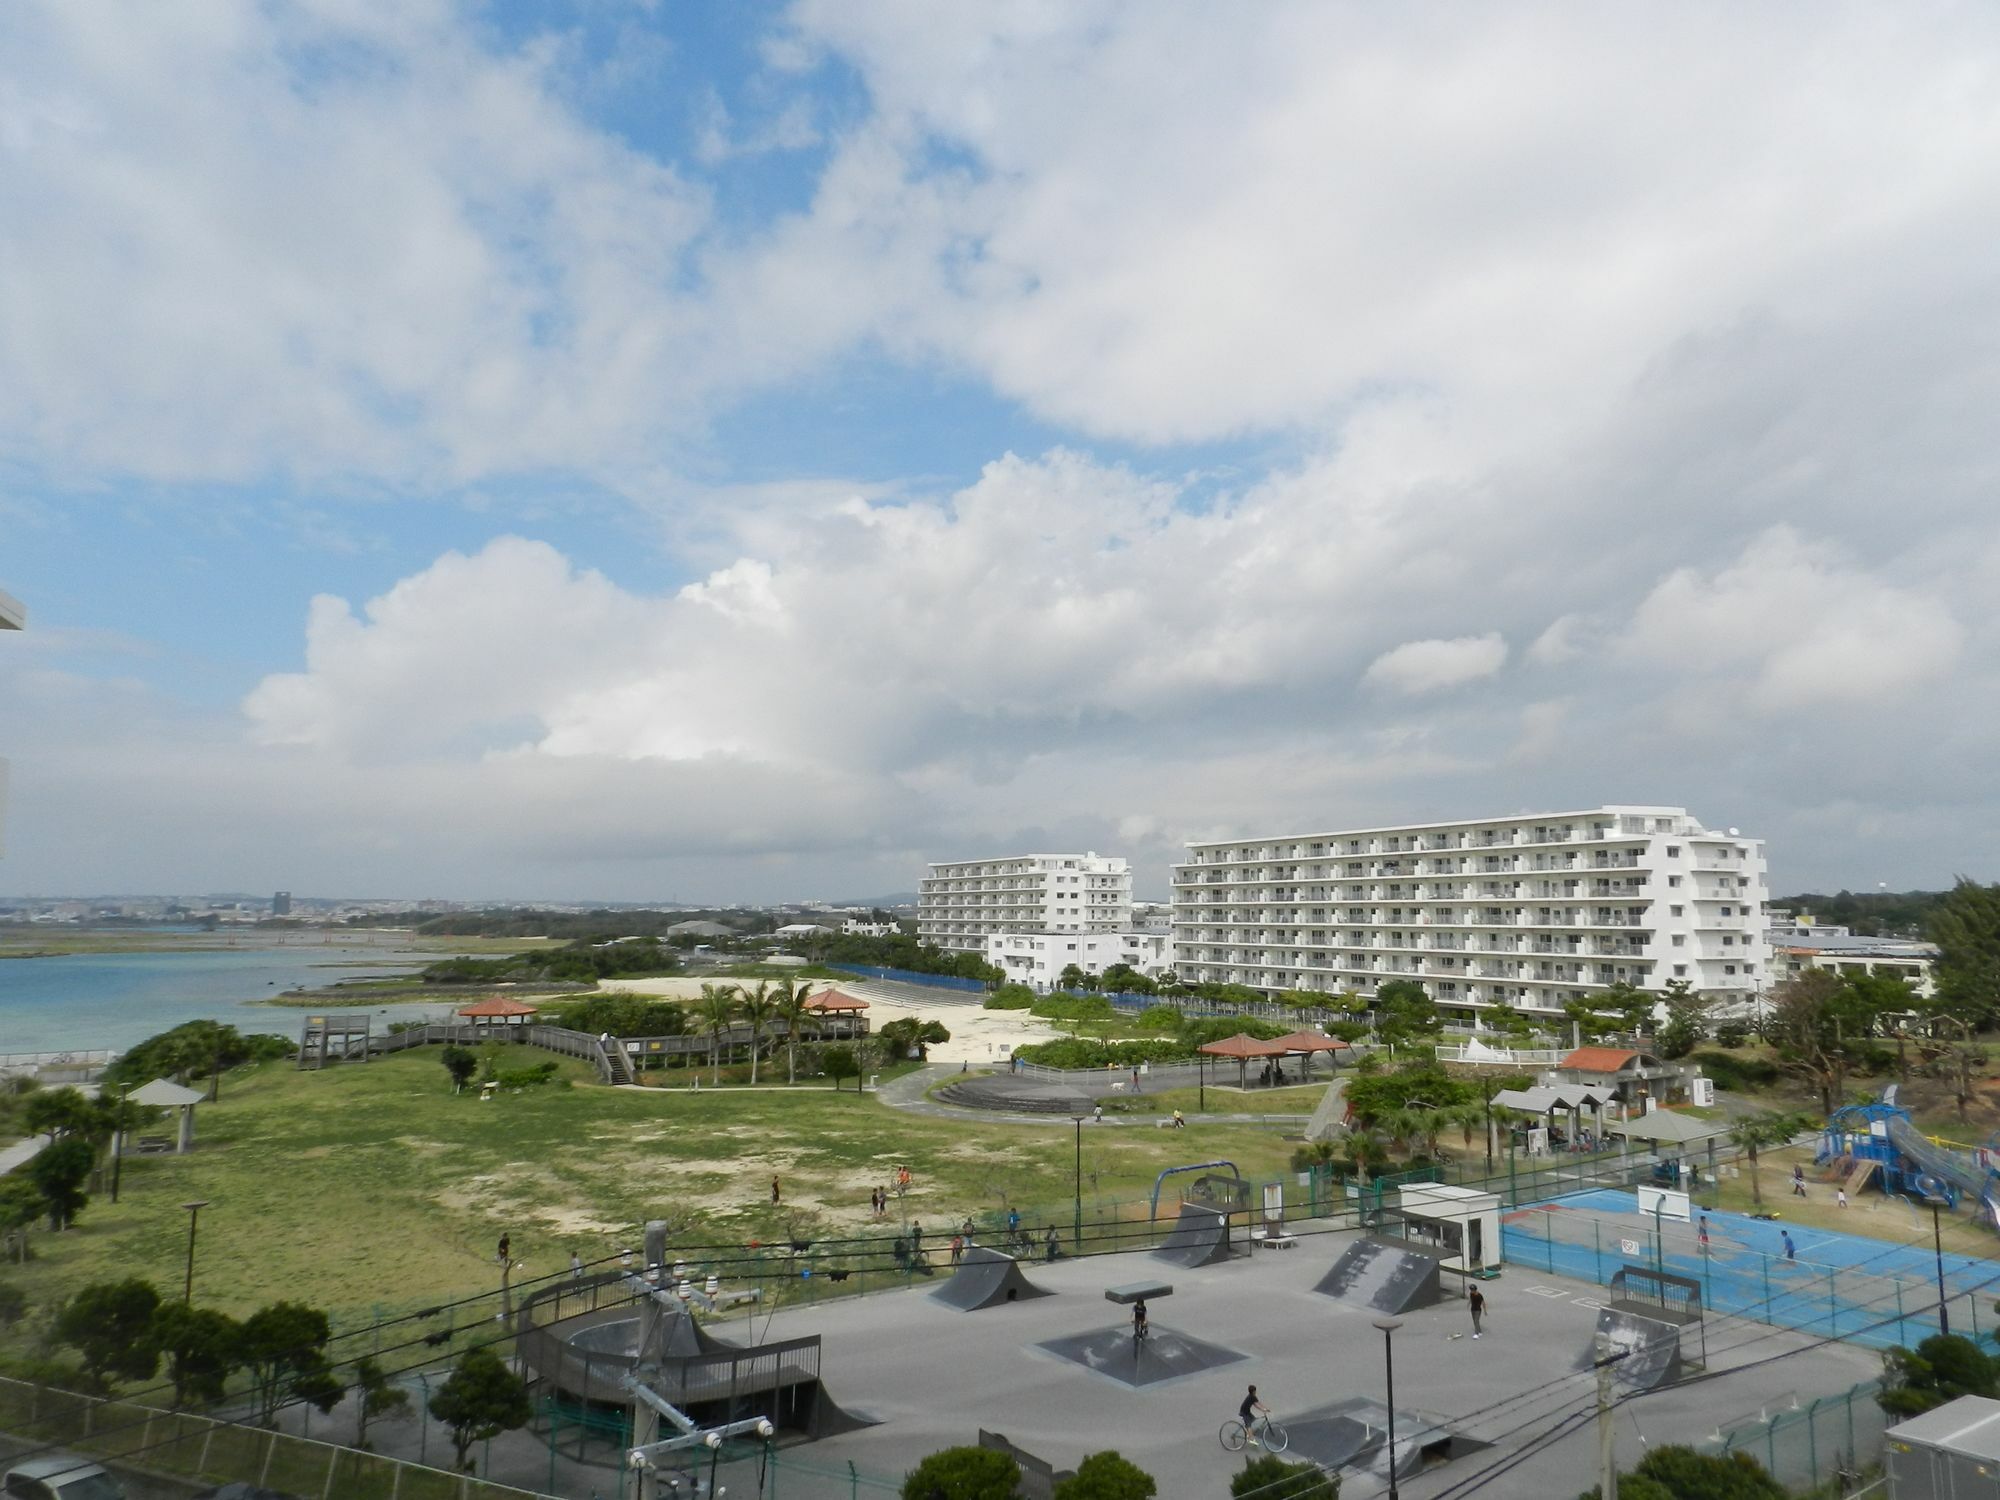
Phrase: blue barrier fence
{"type": "Point", "coordinates": [905, 976]}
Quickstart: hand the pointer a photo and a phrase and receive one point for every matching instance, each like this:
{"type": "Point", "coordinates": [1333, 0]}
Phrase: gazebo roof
{"type": "Point", "coordinates": [1310, 1041]}
{"type": "Point", "coordinates": [164, 1093]}
{"type": "Point", "coordinates": [497, 1005]}
{"type": "Point", "coordinates": [1245, 1045]}
{"type": "Point", "coordinates": [835, 1000]}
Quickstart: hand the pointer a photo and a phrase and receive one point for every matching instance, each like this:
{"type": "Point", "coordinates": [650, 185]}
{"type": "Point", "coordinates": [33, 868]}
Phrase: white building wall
{"type": "Point", "coordinates": [962, 903]}
{"type": "Point", "coordinates": [1039, 958]}
{"type": "Point", "coordinates": [1530, 911]}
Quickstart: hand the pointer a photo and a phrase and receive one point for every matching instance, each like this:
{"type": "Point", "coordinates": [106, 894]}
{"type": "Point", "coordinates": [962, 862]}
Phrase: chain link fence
{"type": "Point", "coordinates": [1832, 1440]}
{"type": "Point", "coordinates": [171, 1455]}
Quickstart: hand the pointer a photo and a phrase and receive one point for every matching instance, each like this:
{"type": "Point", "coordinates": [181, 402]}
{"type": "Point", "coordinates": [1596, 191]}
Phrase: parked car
{"type": "Point", "coordinates": [60, 1476]}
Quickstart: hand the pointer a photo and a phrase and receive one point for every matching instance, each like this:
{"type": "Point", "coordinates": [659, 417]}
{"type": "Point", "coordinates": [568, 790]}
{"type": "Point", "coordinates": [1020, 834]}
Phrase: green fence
{"type": "Point", "coordinates": [151, 1445]}
{"type": "Point", "coordinates": [1832, 1440]}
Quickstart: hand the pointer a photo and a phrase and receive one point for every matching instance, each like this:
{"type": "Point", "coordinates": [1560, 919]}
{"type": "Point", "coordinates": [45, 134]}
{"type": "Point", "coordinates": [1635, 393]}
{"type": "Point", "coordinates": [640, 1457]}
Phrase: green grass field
{"type": "Point", "coordinates": [373, 1185]}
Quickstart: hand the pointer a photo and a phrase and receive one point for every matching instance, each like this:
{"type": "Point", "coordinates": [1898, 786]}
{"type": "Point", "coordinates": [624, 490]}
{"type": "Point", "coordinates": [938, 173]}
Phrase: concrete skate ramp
{"type": "Point", "coordinates": [1386, 1276]}
{"type": "Point", "coordinates": [986, 1278]}
{"type": "Point", "coordinates": [1652, 1349]}
{"type": "Point", "coordinates": [1354, 1434]}
{"type": "Point", "coordinates": [1161, 1356]}
{"type": "Point", "coordinates": [1200, 1237]}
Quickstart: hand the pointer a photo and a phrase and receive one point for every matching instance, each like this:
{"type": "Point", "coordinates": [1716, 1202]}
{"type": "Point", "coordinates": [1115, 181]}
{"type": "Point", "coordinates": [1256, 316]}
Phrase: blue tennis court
{"type": "Point", "coordinates": [1870, 1291]}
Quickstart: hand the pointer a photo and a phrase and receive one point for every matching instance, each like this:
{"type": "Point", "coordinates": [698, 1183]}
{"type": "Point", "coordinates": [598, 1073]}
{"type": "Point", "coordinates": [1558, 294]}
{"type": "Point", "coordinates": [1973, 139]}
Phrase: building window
{"type": "Point", "coordinates": [1679, 941]}
{"type": "Point", "coordinates": [1673, 880]}
{"type": "Point", "coordinates": [1673, 851]}
{"type": "Point", "coordinates": [1680, 970]}
{"type": "Point", "coordinates": [1677, 910]}
{"type": "Point", "coordinates": [1729, 968]}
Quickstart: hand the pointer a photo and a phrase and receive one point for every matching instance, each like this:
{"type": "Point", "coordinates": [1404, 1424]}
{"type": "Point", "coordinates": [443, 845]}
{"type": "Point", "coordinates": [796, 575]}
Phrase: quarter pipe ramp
{"type": "Point", "coordinates": [1385, 1275]}
{"type": "Point", "coordinates": [1200, 1237]}
{"type": "Point", "coordinates": [986, 1278]}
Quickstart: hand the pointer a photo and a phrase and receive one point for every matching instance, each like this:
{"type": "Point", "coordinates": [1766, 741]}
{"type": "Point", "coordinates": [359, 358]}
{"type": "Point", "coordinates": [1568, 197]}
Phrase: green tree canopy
{"type": "Point", "coordinates": [1942, 1368]}
{"type": "Point", "coordinates": [192, 1049]}
{"type": "Point", "coordinates": [964, 1474]}
{"type": "Point", "coordinates": [376, 1397]}
{"type": "Point", "coordinates": [284, 1348]}
{"type": "Point", "coordinates": [1404, 1012]}
{"type": "Point", "coordinates": [1107, 1476]}
{"type": "Point", "coordinates": [202, 1347]}
{"type": "Point", "coordinates": [110, 1325]}
{"type": "Point", "coordinates": [461, 1063]}
{"type": "Point", "coordinates": [21, 1203]}
{"type": "Point", "coordinates": [1965, 925]}
{"type": "Point", "coordinates": [59, 1113]}
{"type": "Point", "coordinates": [1676, 1472]}
{"type": "Point", "coordinates": [839, 1062]}
{"type": "Point", "coordinates": [59, 1173]}
{"type": "Point", "coordinates": [481, 1399]}
{"type": "Point", "coordinates": [1272, 1478]}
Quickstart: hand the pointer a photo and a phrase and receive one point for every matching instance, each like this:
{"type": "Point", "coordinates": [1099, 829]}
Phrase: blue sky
{"type": "Point", "coordinates": [620, 449]}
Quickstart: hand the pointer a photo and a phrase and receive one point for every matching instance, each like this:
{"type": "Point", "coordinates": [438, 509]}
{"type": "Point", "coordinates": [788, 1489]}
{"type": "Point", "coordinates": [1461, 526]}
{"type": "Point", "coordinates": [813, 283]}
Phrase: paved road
{"type": "Point", "coordinates": [21, 1153]}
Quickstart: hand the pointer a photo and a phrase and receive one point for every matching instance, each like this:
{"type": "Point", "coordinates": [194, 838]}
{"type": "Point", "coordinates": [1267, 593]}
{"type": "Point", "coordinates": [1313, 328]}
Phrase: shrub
{"type": "Point", "coordinates": [964, 1474]}
{"type": "Point", "coordinates": [1086, 1052]}
{"type": "Point", "coordinates": [1732, 1033]}
{"type": "Point", "coordinates": [1107, 1476]}
{"type": "Point", "coordinates": [1162, 1018]}
{"type": "Point", "coordinates": [1743, 1074]}
{"type": "Point", "coordinates": [1010, 997]}
{"type": "Point", "coordinates": [1073, 1008]}
{"type": "Point", "coordinates": [1271, 1478]}
{"type": "Point", "coordinates": [528, 1077]}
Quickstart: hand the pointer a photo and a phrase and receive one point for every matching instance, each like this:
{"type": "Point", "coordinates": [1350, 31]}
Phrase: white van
{"type": "Point", "coordinates": [58, 1476]}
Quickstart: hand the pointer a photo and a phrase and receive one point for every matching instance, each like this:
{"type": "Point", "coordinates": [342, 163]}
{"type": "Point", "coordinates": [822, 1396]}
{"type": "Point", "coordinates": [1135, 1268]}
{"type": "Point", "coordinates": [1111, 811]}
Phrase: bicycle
{"type": "Point", "coordinates": [1264, 1430]}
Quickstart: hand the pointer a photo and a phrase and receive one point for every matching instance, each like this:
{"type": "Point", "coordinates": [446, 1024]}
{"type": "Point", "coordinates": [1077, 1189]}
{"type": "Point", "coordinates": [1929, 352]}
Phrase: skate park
{"type": "Point", "coordinates": [1043, 1353]}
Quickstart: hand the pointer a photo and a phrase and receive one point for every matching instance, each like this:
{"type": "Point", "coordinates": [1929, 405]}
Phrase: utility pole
{"type": "Point", "coordinates": [1607, 1432]}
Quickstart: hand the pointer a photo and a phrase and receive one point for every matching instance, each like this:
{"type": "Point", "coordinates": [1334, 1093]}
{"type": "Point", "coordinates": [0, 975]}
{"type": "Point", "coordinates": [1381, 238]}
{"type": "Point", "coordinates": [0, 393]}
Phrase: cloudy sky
{"type": "Point", "coordinates": [708, 450]}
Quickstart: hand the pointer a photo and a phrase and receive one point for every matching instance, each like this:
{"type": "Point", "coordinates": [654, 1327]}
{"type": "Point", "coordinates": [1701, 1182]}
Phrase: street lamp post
{"type": "Point", "coordinates": [1389, 1326]}
{"type": "Point", "coordinates": [1078, 1230]}
{"type": "Point", "coordinates": [1201, 1075]}
{"type": "Point", "coordinates": [1937, 1249]}
{"type": "Point", "coordinates": [194, 1217]}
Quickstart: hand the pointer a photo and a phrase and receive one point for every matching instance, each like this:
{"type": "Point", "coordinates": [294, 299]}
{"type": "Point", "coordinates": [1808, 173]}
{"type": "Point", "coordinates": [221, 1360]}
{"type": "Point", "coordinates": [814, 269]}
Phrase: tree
{"type": "Point", "coordinates": [110, 1325]}
{"type": "Point", "coordinates": [59, 1113]}
{"type": "Point", "coordinates": [375, 1396]}
{"type": "Point", "coordinates": [202, 1347]}
{"type": "Point", "coordinates": [1673, 1472]}
{"type": "Point", "coordinates": [1817, 1021]}
{"type": "Point", "coordinates": [789, 1008]}
{"type": "Point", "coordinates": [284, 1348]}
{"type": "Point", "coordinates": [481, 1399]}
{"type": "Point", "coordinates": [59, 1172]}
{"type": "Point", "coordinates": [756, 1007]}
{"type": "Point", "coordinates": [1106, 1476]}
{"type": "Point", "coordinates": [21, 1203]}
{"type": "Point", "coordinates": [1404, 1012]}
{"type": "Point", "coordinates": [1071, 978]}
{"type": "Point", "coordinates": [1942, 1368]}
{"type": "Point", "coordinates": [839, 1062]}
{"type": "Point", "coordinates": [1965, 925]}
{"type": "Point", "coordinates": [13, 1305]}
{"type": "Point", "coordinates": [461, 1063]}
{"type": "Point", "coordinates": [1271, 1478]}
{"type": "Point", "coordinates": [964, 1474]}
{"type": "Point", "coordinates": [716, 1011]}
{"type": "Point", "coordinates": [1754, 1132]}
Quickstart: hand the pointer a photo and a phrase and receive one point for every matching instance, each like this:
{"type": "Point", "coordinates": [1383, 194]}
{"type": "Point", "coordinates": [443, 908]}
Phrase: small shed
{"type": "Point", "coordinates": [164, 1093]}
{"type": "Point", "coordinates": [498, 1010]}
{"type": "Point", "coordinates": [1950, 1451]}
{"type": "Point", "coordinates": [1548, 1099]}
{"type": "Point", "coordinates": [839, 1013]}
{"type": "Point", "coordinates": [1461, 1221]}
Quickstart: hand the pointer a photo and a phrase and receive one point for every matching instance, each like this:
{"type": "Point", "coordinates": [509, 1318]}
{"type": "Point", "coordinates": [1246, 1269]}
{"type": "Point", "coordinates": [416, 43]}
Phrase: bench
{"type": "Point", "coordinates": [155, 1145]}
{"type": "Point", "coordinates": [1273, 1239]}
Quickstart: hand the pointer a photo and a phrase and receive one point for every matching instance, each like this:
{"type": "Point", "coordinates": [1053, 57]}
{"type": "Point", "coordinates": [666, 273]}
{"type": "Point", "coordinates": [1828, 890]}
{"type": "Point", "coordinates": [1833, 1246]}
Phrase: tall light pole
{"type": "Point", "coordinates": [194, 1217]}
{"type": "Point", "coordinates": [1937, 1249]}
{"type": "Point", "coordinates": [1078, 1241]}
{"type": "Point", "coordinates": [1389, 1326]}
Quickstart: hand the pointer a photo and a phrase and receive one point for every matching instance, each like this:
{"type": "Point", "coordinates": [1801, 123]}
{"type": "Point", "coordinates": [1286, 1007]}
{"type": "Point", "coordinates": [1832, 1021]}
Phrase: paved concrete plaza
{"type": "Point", "coordinates": [932, 1376]}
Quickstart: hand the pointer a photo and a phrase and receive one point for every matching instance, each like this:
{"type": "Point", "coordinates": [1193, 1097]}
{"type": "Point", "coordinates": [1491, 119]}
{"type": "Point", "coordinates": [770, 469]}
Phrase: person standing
{"type": "Point", "coordinates": [1475, 1301]}
{"type": "Point", "coordinates": [776, 1197]}
{"type": "Point", "coordinates": [1052, 1247]}
{"type": "Point", "coordinates": [957, 1248]}
{"type": "Point", "coordinates": [1791, 1250]}
{"type": "Point", "coordinates": [1840, 1198]}
{"type": "Point", "coordinates": [1701, 1233]}
{"type": "Point", "coordinates": [1798, 1181]}
{"type": "Point", "coordinates": [575, 1266]}
{"type": "Point", "coordinates": [504, 1251]}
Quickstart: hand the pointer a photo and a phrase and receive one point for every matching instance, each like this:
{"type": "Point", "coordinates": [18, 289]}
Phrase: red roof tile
{"type": "Point", "coordinates": [1598, 1059]}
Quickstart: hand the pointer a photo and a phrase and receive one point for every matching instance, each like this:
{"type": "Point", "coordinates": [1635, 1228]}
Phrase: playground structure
{"type": "Point", "coordinates": [1877, 1143]}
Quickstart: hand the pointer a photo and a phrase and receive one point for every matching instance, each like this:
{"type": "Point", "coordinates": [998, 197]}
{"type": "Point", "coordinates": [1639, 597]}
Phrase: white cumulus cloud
{"type": "Point", "coordinates": [1430, 666]}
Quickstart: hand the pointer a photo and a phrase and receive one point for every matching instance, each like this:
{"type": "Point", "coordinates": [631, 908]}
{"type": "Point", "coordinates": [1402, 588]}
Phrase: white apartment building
{"type": "Point", "coordinates": [12, 617]}
{"type": "Point", "coordinates": [1530, 911]}
{"type": "Point", "coordinates": [962, 903]}
{"type": "Point", "coordinates": [1801, 944]}
{"type": "Point", "coordinates": [1039, 958]}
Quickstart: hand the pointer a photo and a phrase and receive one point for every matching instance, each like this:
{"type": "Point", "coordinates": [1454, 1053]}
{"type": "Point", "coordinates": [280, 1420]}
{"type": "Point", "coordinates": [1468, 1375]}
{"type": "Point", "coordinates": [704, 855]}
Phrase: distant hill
{"type": "Point", "coordinates": [1872, 913]}
{"type": "Point", "coordinates": [887, 903]}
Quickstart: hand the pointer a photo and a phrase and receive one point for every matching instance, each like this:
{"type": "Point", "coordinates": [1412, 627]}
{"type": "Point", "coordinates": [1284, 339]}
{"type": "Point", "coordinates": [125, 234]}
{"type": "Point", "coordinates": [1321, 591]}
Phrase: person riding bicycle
{"type": "Point", "coordinates": [1139, 1318]}
{"type": "Point", "coordinates": [1247, 1414]}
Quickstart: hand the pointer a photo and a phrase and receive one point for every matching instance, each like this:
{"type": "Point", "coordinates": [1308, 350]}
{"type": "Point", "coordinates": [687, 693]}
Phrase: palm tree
{"type": "Point", "coordinates": [789, 1006]}
{"type": "Point", "coordinates": [1753, 1133]}
{"type": "Point", "coordinates": [756, 1007]}
{"type": "Point", "coordinates": [717, 1011]}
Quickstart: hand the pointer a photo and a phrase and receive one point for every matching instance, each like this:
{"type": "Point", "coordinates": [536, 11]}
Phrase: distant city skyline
{"type": "Point", "coordinates": [764, 449]}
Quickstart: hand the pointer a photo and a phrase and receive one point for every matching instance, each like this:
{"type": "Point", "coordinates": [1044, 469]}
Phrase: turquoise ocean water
{"type": "Point", "coordinates": [116, 999]}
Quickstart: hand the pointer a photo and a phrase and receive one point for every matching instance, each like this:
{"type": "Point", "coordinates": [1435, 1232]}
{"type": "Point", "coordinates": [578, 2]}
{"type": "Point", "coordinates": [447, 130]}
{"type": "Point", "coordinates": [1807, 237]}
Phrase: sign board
{"type": "Point", "coordinates": [1628, 1247]}
{"type": "Point", "coordinates": [1664, 1202]}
